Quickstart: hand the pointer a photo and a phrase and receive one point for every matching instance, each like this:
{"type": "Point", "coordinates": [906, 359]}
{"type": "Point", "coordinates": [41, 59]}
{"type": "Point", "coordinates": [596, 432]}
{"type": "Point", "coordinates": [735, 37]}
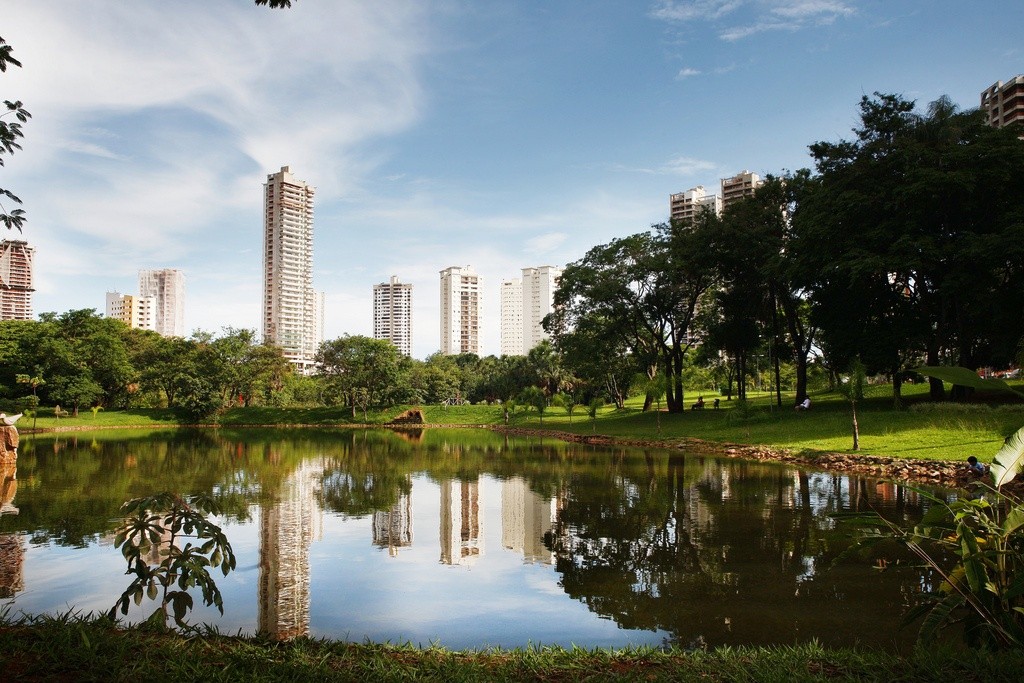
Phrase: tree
{"type": "Point", "coordinates": [10, 133]}
{"type": "Point", "coordinates": [917, 221]}
{"type": "Point", "coordinates": [642, 292]}
{"type": "Point", "coordinates": [354, 364]}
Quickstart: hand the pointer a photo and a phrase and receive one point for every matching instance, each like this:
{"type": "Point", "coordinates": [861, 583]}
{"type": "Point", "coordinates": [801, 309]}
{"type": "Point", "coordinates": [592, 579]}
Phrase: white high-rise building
{"type": "Point", "coordinates": [167, 288]}
{"type": "Point", "coordinates": [135, 311]}
{"type": "Point", "coordinates": [392, 314]}
{"type": "Point", "coordinates": [16, 288]}
{"type": "Point", "coordinates": [685, 206]}
{"type": "Point", "coordinates": [290, 318]}
{"type": "Point", "coordinates": [539, 285]}
{"type": "Point", "coordinates": [741, 185]}
{"type": "Point", "coordinates": [512, 317]}
{"type": "Point", "coordinates": [460, 310]}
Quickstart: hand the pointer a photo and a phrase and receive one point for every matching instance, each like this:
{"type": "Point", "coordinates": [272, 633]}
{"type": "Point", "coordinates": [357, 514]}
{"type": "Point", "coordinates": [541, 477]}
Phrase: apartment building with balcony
{"type": "Point", "coordinates": [16, 278]}
{"type": "Point", "coordinates": [461, 290]}
{"type": "Point", "coordinates": [290, 315]}
{"type": "Point", "coordinates": [134, 311]}
{"type": "Point", "coordinates": [686, 205]}
{"type": "Point", "coordinates": [1003, 103]}
{"type": "Point", "coordinates": [392, 314]}
{"type": "Point", "coordinates": [166, 287]}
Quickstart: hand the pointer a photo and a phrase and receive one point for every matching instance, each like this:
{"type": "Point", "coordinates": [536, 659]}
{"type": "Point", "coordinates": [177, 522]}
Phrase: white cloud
{"type": "Point", "coordinates": [545, 244]}
{"type": "Point", "coordinates": [686, 10]}
{"type": "Point", "coordinates": [687, 73]}
{"type": "Point", "coordinates": [756, 16]}
{"type": "Point", "coordinates": [804, 9]}
{"type": "Point", "coordinates": [686, 166]}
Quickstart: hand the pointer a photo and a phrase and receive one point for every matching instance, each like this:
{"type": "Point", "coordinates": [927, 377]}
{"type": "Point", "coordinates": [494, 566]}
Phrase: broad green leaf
{"type": "Point", "coordinates": [966, 378]}
{"type": "Point", "coordinates": [1008, 459]}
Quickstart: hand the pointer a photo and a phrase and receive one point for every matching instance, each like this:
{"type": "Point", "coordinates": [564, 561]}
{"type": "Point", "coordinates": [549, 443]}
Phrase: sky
{"type": "Point", "coordinates": [498, 134]}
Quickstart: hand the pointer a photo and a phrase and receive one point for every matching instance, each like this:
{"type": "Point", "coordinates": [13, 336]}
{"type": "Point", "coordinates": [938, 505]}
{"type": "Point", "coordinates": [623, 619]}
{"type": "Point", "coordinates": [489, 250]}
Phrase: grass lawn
{"type": "Point", "coordinates": [85, 649]}
{"type": "Point", "coordinates": [924, 431]}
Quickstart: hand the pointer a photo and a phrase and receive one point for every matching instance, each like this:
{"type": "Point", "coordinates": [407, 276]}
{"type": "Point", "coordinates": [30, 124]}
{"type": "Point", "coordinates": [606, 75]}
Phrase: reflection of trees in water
{"type": "Point", "coordinates": [732, 551]}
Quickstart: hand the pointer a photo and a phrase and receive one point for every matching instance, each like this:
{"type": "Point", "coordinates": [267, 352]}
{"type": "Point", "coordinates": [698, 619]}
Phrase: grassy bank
{"type": "Point", "coordinates": [72, 648]}
{"type": "Point", "coordinates": [924, 431]}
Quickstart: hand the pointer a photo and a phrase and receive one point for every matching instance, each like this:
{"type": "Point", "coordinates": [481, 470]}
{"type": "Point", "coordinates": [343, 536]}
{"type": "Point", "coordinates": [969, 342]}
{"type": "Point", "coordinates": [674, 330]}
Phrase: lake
{"type": "Point", "coordinates": [469, 539]}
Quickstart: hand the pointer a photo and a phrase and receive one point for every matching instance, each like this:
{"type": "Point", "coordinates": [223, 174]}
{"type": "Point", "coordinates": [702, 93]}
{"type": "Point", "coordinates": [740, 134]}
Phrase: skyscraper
{"type": "Point", "coordinates": [460, 310]}
{"type": "Point", "coordinates": [539, 285]}
{"type": "Point", "coordinates": [512, 317]}
{"type": "Point", "coordinates": [167, 288]}
{"type": "Point", "coordinates": [16, 288]}
{"type": "Point", "coordinates": [290, 317]}
{"type": "Point", "coordinates": [392, 314]}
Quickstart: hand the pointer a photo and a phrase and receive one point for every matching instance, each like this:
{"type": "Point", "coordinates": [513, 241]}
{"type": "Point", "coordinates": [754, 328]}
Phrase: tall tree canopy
{"type": "Point", "coordinates": [918, 234]}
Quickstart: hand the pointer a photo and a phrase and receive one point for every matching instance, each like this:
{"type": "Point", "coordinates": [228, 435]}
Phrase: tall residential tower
{"type": "Point", "coordinates": [167, 289]}
{"type": "Point", "coordinates": [512, 317]}
{"type": "Point", "coordinates": [460, 310]}
{"type": "Point", "coordinates": [16, 288]}
{"type": "Point", "coordinates": [539, 285]}
{"type": "Point", "coordinates": [290, 317]}
{"type": "Point", "coordinates": [392, 314]}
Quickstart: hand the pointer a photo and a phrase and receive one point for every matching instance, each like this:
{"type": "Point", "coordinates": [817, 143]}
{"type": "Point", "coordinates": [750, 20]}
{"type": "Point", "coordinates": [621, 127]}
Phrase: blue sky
{"type": "Point", "coordinates": [496, 134]}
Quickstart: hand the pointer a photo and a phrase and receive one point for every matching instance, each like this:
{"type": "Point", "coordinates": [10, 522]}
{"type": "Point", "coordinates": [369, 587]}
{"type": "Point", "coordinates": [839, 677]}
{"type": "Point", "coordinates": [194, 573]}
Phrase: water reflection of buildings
{"type": "Point", "coordinates": [392, 529]}
{"type": "Point", "coordinates": [462, 540]}
{"type": "Point", "coordinates": [526, 518]}
{"type": "Point", "coordinates": [287, 528]}
{"type": "Point", "coordinates": [12, 553]}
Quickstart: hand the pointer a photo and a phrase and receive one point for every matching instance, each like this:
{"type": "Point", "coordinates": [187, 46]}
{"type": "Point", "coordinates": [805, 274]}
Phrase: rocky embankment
{"type": "Point", "coordinates": [933, 472]}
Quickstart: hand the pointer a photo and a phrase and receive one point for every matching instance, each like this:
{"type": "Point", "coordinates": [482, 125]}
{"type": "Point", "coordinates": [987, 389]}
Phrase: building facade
{"type": "Point", "coordinates": [16, 258]}
{"type": "Point", "coordinates": [685, 206]}
{"type": "Point", "coordinates": [167, 289]}
{"type": "Point", "coordinates": [392, 314]}
{"type": "Point", "coordinates": [290, 317]}
{"type": "Point", "coordinates": [460, 310]}
{"type": "Point", "coordinates": [539, 285]}
{"type": "Point", "coordinates": [741, 185]}
{"type": "Point", "coordinates": [1004, 102]}
{"type": "Point", "coordinates": [512, 317]}
{"type": "Point", "coordinates": [134, 311]}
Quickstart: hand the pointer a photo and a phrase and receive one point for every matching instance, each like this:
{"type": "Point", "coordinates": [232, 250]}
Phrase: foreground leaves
{"type": "Point", "coordinates": [150, 539]}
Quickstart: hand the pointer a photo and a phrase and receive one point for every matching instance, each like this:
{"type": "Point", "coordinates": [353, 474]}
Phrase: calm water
{"type": "Point", "coordinates": [468, 539]}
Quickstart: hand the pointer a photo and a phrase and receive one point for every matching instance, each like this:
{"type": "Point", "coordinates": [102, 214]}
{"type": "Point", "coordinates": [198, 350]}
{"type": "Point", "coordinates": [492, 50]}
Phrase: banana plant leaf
{"type": "Point", "coordinates": [966, 378]}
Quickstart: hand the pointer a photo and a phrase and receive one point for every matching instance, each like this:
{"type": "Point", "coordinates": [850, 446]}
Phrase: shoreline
{"type": "Point", "coordinates": [945, 473]}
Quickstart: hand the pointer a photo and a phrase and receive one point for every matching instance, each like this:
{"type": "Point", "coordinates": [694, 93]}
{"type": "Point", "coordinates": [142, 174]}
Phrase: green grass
{"type": "Point", "coordinates": [71, 647]}
{"type": "Point", "coordinates": [924, 431]}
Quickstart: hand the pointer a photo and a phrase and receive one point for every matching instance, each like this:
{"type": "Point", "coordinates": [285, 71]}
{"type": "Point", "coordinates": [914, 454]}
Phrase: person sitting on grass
{"type": "Point", "coordinates": [976, 468]}
{"type": "Point", "coordinates": [699, 405]}
{"type": "Point", "coordinates": [804, 404]}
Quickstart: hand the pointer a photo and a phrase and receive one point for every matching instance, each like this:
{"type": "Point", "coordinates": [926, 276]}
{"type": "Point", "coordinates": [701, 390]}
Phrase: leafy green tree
{"type": "Point", "coordinates": [642, 291]}
{"type": "Point", "coordinates": [354, 364]}
{"type": "Point", "coordinates": [917, 222]}
{"type": "Point", "coordinates": [534, 397]}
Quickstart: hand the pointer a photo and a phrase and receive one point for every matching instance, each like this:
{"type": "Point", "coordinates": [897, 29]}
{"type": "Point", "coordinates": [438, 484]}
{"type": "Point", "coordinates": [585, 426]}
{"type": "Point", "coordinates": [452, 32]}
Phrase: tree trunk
{"type": "Point", "coordinates": [856, 430]}
{"type": "Point", "coordinates": [897, 388]}
{"type": "Point", "coordinates": [935, 389]}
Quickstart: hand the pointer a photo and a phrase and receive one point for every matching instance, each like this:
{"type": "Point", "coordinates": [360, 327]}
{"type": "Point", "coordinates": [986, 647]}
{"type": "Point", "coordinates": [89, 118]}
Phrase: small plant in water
{"type": "Point", "coordinates": [150, 539]}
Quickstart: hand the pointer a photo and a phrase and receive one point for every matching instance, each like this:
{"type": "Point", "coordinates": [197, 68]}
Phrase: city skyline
{"type": "Point", "coordinates": [435, 133]}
